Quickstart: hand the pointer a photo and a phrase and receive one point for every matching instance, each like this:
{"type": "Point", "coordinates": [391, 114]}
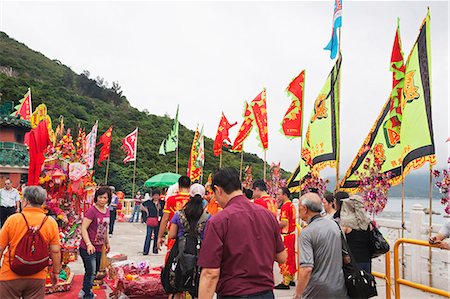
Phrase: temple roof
{"type": "Point", "coordinates": [13, 154]}
{"type": "Point", "coordinates": [14, 121]}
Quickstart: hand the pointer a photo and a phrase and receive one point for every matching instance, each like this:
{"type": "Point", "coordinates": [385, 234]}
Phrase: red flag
{"type": "Point", "coordinates": [260, 113]}
{"type": "Point", "coordinates": [222, 134]}
{"type": "Point", "coordinates": [129, 146]}
{"type": "Point", "coordinates": [24, 109]}
{"type": "Point", "coordinates": [244, 130]}
{"type": "Point", "coordinates": [293, 119]}
{"type": "Point", "coordinates": [105, 139]}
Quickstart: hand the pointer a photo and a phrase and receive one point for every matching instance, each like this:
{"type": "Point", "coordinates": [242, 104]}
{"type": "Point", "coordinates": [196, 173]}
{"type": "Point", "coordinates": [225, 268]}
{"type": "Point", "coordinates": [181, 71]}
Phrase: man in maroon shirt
{"type": "Point", "coordinates": [240, 245]}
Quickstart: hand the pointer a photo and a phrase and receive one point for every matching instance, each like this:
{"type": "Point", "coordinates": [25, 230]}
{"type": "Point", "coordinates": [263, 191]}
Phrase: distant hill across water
{"type": "Point", "coordinates": [417, 184]}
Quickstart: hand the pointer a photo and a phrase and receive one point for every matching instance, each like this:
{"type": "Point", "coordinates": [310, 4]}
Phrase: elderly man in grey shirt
{"type": "Point", "coordinates": [320, 274]}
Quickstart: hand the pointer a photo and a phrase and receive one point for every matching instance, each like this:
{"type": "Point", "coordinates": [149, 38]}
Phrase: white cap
{"type": "Point", "coordinates": [197, 189]}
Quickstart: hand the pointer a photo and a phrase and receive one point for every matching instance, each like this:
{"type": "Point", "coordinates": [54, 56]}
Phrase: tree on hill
{"type": "Point", "coordinates": [82, 101]}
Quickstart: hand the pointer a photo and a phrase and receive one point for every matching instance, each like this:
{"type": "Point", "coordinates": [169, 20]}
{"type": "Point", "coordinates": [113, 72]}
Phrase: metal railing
{"type": "Point", "coordinates": [398, 281]}
{"type": "Point", "coordinates": [387, 275]}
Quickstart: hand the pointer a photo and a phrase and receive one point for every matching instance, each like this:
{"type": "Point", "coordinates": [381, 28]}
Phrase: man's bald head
{"type": "Point", "coordinates": [312, 201]}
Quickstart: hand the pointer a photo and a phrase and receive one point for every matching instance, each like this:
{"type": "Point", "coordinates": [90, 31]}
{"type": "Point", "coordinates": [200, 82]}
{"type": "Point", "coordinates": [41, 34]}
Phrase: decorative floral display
{"type": "Point", "coordinates": [444, 187]}
{"type": "Point", "coordinates": [374, 184]}
{"type": "Point", "coordinates": [312, 182]}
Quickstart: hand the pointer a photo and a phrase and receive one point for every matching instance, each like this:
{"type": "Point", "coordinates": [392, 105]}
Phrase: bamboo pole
{"type": "Point", "coordinates": [403, 222]}
{"type": "Point", "coordinates": [134, 179]}
{"type": "Point", "coordinates": [338, 113]}
{"type": "Point", "coordinates": [220, 160]}
{"type": "Point", "coordinates": [107, 170]}
{"type": "Point", "coordinates": [430, 230]}
{"type": "Point", "coordinates": [176, 158]}
{"type": "Point", "coordinates": [242, 162]}
{"type": "Point", "coordinates": [265, 162]}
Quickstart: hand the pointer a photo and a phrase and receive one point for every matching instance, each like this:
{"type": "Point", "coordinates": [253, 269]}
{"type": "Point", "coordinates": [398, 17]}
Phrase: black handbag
{"type": "Point", "coordinates": [358, 282]}
{"type": "Point", "coordinates": [377, 243]}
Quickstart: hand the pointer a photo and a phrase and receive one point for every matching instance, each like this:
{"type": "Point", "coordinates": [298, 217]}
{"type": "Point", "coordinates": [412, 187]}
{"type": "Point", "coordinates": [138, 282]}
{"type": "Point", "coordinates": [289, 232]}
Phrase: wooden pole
{"type": "Point", "coordinates": [134, 170]}
{"type": "Point", "coordinates": [220, 160]}
{"type": "Point", "coordinates": [107, 170]}
{"type": "Point", "coordinates": [403, 222]}
{"type": "Point", "coordinates": [242, 161]}
{"type": "Point", "coordinates": [430, 229]}
{"type": "Point", "coordinates": [176, 158]}
{"type": "Point", "coordinates": [338, 113]}
{"type": "Point", "coordinates": [134, 179]}
{"type": "Point", "coordinates": [265, 162]}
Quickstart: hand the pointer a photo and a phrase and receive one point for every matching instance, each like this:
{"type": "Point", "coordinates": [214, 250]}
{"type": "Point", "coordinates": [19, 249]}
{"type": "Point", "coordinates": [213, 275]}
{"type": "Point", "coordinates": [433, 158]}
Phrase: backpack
{"type": "Point", "coordinates": [181, 272]}
{"type": "Point", "coordinates": [32, 254]}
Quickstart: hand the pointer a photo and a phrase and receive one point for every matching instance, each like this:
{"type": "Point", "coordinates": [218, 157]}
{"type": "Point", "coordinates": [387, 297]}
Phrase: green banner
{"type": "Point", "coordinates": [416, 146]}
{"type": "Point", "coordinates": [320, 144]}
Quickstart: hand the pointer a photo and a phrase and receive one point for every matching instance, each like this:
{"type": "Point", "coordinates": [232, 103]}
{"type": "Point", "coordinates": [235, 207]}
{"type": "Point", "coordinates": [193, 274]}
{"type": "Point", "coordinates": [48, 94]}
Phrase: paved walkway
{"type": "Point", "coordinates": [129, 239]}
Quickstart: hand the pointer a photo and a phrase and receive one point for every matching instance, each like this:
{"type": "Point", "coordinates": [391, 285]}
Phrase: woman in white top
{"type": "Point", "coordinates": [328, 206]}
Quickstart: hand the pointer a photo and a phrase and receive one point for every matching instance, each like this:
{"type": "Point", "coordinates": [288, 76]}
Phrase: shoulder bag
{"type": "Point", "coordinates": [358, 282]}
{"type": "Point", "coordinates": [377, 243]}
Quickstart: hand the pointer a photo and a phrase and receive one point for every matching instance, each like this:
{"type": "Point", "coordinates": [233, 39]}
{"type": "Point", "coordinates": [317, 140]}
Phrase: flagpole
{"type": "Point", "coordinates": [338, 151]}
{"type": "Point", "coordinates": [220, 160]}
{"type": "Point", "coordinates": [176, 158]}
{"type": "Point", "coordinates": [430, 230]}
{"type": "Point", "coordinates": [403, 221]}
{"type": "Point", "coordinates": [134, 177]}
{"type": "Point", "coordinates": [265, 165]}
{"type": "Point", "coordinates": [107, 169]}
{"type": "Point", "coordinates": [242, 162]}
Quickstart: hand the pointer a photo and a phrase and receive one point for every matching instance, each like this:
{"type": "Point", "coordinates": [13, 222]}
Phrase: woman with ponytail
{"type": "Point", "coordinates": [191, 220]}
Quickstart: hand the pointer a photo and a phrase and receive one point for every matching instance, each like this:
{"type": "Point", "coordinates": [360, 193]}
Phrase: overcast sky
{"type": "Point", "coordinates": [211, 56]}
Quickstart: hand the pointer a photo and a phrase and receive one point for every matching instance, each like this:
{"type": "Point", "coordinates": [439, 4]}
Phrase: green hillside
{"type": "Point", "coordinates": [83, 100]}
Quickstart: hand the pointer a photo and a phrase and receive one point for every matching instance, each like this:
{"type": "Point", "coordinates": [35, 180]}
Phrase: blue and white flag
{"type": "Point", "coordinates": [333, 45]}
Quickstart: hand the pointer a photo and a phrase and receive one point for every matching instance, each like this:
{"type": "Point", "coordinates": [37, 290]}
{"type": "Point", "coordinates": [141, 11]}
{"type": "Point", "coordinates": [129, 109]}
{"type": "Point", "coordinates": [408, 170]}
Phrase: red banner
{"type": "Point", "coordinates": [105, 139]}
{"type": "Point", "coordinates": [222, 134]}
{"type": "Point", "coordinates": [129, 146]}
{"type": "Point", "coordinates": [244, 130]}
{"type": "Point", "coordinates": [24, 109]}
{"type": "Point", "coordinates": [260, 113]}
{"type": "Point", "coordinates": [293, 119]}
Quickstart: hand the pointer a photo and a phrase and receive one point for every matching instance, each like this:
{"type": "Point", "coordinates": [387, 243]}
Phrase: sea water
{"type": "Point", "coordinates": [393, 209]}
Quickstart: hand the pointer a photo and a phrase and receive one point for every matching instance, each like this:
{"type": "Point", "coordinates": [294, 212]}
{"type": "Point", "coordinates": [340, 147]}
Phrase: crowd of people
{"type": "Point", "coordinates": [238, 234]}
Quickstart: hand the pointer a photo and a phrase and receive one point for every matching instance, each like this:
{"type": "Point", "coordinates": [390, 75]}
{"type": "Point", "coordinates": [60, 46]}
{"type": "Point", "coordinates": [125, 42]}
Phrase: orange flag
{"type": "Point", "coordinates": [260, 113]}
{"type": "Point", "coordinates": [244, 130]}
{"type": "Point", "coordinates": [293, 119]}
{"type": "Point", "coordinates": [105, 139]}
{"type": "Point", "coordinates": [222, 134]}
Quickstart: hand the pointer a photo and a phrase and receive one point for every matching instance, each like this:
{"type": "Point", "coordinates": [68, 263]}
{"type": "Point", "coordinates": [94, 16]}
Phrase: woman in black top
{"type": "Point", "coordinates": [153, 208]}
{"type": "Point", "coordinates": [356, 226]}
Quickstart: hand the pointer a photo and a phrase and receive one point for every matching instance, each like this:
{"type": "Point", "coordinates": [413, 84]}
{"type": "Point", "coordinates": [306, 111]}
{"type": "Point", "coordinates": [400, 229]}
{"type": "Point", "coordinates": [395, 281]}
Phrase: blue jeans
{"type": "Point", "coordinates": [135, 213]}
{"type": "Point", "coordinates": [91, 264]}
{"type": "Point", "coordinates": [112, 220]}
{"type": "Point", "coordinates": [151, 230]}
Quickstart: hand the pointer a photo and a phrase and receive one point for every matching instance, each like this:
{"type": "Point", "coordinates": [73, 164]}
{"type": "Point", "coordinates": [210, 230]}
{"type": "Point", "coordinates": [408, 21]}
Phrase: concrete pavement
{"type": "Point", "coordinates": [129, 239]}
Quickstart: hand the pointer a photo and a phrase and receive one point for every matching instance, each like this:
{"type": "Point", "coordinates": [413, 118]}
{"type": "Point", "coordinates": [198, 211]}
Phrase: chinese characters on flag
{"type": "Point", "coordinates": [129, 146]}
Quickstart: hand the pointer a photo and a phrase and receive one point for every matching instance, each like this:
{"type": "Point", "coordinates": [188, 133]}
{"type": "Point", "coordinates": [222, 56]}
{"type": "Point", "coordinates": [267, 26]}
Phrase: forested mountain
{"type": "Point", "coordinates": [82, 100]}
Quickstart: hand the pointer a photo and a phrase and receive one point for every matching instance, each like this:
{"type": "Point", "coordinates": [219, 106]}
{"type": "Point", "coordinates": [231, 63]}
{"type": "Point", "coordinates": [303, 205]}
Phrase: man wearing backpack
{"type": "Point", "coordinates": [240, 246]}
{"type": "Point", "coordinates": [24, 266]}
